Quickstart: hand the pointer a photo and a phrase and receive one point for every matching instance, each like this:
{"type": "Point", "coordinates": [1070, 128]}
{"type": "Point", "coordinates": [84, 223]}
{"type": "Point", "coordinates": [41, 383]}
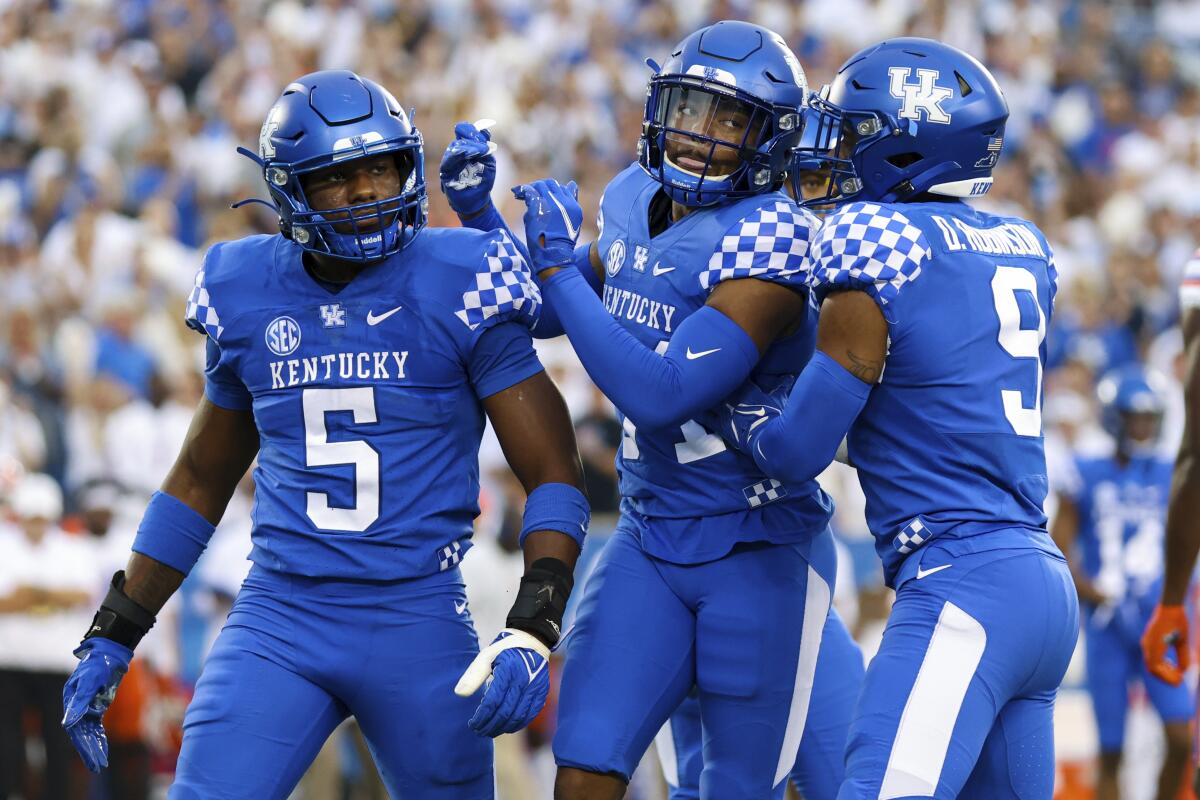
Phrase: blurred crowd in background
{"type": "Point", "coordinates": [119, 121]}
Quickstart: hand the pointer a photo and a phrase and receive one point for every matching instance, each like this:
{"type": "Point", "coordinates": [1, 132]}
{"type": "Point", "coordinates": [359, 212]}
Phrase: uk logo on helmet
{"type": "Point", "coordinates": [924, 95]}
{"type": "Point", "coordinates": [266, 148]}
{"type": "Point", "coordinates": [283, 336]}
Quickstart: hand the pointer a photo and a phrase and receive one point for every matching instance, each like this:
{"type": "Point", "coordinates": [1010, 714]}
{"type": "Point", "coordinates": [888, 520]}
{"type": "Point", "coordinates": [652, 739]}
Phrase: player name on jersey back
{"type": "Point", "coordinates": [375, 365]}
{"type": "Point", "coordinates": [1008, 239]}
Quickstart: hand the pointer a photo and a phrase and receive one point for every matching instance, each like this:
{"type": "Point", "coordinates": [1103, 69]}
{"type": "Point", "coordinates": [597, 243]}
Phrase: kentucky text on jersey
{"type": "Point", "coordinates": [1011, 239]}
{"type": "Point", "coordinates": [638, 308]}
{"type": "Point", "coordinates": [377, 365]}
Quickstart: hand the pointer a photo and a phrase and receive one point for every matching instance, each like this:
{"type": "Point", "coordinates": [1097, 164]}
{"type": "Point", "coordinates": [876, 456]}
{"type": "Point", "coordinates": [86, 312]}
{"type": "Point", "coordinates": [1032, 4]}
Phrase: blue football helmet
{"type": "Point", "coordinates": [902, 118]}
{"type": "Point", "coordinates": [325, 118]}
{"type": "Point", "coordinates": [1128, 391]}
{"type": "Point", "coordinates": [722, 115]}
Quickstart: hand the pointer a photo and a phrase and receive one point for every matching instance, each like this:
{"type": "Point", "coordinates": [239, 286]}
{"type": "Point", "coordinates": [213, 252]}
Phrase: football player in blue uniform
{"type": "Point", "coordinates": [357, 355]}
{"type": "Point", "coordinates": [1110, 525]}
{"type": "Point", "coordinates": [696, 283]}
{"type": "Point", "coordinates": [820, 762]}
{"type": "Point", "coordinates": [929, 359]}
{"type": "Point", "coordinates": [468, 172]}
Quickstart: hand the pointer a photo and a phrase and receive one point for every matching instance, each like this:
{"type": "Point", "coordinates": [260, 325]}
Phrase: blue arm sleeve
{"type": "Point", "coordinates": [503, 356]}
{"type": "Point", "coordinates": [796, 446]}
{"type": "Point", "coordinates": [709, 356]}
{"type": "Point", "coordinates": [548, 325]}
{"type": "Point", "coordinates": [172, 533]}
{"type": "Point", "coordinates": [221, 385]}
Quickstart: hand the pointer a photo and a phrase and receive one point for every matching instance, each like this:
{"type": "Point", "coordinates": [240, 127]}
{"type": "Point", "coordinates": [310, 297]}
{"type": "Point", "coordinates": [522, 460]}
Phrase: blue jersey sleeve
{"type": "Point", "coordinates": [871, 248]}
{"type": "Point", "coordinates": [222, 386]}
{"type": "Point", "coordinates": [501, 290]}
{"type": "Point", "coordinates": [201, 312]}
{"type": "Point", "coordinates": [771, 244]}
{"type": "Point", "coordinates": [499, 306]}
{"type": "Point", "coordinates": [502, 357]}
{"type": "Point", "coordinates": [1052, 275]}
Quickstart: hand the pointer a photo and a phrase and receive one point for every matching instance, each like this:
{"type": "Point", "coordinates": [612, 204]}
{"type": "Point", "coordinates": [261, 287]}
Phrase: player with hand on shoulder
{"type": "Point", "coordinates": [356, 354]}
{"type": "Point", "coordinates": [1110, 526]}
{"type": "Point", "coordinates": [695, 284]}
{"type": "Point", "coordinates": [929, 362]}
{"type": "Point", "coordinates": [837, 681]}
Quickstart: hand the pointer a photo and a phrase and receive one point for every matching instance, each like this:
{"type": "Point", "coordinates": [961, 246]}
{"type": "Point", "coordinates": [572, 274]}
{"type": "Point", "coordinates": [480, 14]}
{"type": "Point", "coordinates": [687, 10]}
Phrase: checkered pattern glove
{"type": "Point", "coordinates": [553, 217]}
{"type": "Point", "coordinates": [88, 693]}
{"type": "Point", "coordinates": [468, 169]}
{"type": "Point", "coordinates": [515, 669]}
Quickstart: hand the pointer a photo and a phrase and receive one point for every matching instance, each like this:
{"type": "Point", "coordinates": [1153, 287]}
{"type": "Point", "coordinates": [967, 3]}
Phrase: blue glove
{"type": "Point", "coordinates": [88, 693]}
{"type": "Point", "coordinates": [741, 419]}
{"type": "Point", "coordinates": [553, 218]}
{"type": "Point", "coordinates": [516, 669]}
{"type": "Point", "coordinates": [468, 169]}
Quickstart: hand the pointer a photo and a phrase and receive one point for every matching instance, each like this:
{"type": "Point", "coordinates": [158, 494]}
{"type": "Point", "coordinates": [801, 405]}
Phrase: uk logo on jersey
{"type": "Point", "coordinates": [640, 254]}
{"type": "Point", "coordinates": [283, 336]}
{"type": "Point", "coordinates": [924, 95]}
{"type": "Point", "coordinates": [333, 316]}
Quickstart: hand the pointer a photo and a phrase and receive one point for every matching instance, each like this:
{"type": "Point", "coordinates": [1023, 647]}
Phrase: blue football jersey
{"type": "Point", "coordinates": [1122, 513]}
{"type": "Point", "coordinates": [949, 443]}
{"type": "Point", "coordinates": [652, 284]}
{"type": "Point", "coordinates": [367, 397]}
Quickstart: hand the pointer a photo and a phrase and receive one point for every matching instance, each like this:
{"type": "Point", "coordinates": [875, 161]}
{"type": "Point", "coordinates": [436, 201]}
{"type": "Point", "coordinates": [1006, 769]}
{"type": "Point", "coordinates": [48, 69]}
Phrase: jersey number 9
{"type": "Point", "coordinates": [1019, 342]}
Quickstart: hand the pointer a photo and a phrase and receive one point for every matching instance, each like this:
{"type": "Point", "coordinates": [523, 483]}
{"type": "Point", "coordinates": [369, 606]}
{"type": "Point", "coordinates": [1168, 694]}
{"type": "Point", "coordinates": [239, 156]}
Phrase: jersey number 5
{"type": "Point", "coordinates": [1019, 342]}
{"type": "Point", "coordinates": [320, 452]}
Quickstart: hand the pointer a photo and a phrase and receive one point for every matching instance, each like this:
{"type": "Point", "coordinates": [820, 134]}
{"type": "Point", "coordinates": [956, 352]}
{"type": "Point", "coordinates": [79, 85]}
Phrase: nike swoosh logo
{"type": "Point", "coordinates": [572, 231]}
{"type": "Point", "coordinates": [656, 271]}
{"type": "Point", "coordinates": [460, 608]}
{"type": "Point", "coordinates": [374, 320]}
{"type": "Point", "coordinates": [533, 673]}
{"type": "Point", "coordinates": [755, 412]}
{"type": "Point", "coordinates": [693, 356]}
{"type": "Point", "coordinates": [925, 573]}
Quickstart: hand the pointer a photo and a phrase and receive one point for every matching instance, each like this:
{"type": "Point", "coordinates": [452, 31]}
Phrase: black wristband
{"type": "Point", "coordinates": [119, 618]}
{"type": "Point", "coordinates": [542, 599]}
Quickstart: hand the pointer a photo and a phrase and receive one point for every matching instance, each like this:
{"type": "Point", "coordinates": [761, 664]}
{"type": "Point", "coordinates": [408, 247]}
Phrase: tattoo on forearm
{"type": "Point", "coordinates": [865, 369]}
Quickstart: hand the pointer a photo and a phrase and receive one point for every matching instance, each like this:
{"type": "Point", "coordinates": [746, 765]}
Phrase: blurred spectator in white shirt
{"type": "Point", "coordinates": [47, 592]}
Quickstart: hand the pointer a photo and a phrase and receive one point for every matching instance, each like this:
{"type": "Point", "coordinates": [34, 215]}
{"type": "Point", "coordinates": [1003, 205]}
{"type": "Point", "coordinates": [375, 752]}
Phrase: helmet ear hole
{"type": "Point", "coordinates": [902, 160]}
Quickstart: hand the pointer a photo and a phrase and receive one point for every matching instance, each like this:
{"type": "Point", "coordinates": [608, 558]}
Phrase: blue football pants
{"type": "Point", "coordinates": [744, 630]}
{"type": "Point", "coordinates": [820, 762]}
{"type": "Point", "coordinates": [297, 655]}
{"type": "Point", "coordinates": [959, 700]}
